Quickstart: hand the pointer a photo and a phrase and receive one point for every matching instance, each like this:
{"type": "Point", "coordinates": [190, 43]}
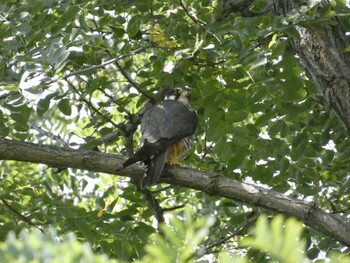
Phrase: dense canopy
{"type": "Point", "coordinates": [77, 76]}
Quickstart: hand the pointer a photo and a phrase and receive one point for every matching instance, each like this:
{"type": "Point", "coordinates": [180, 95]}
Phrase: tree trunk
{"type": "Point", "coordinates": [324, 57]}
{"type": "Point", "coordinates": [322, 53]}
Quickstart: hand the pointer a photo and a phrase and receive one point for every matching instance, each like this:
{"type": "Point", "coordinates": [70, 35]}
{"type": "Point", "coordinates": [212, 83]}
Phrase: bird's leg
{"type": "Point", "coordinates": [174, 152]}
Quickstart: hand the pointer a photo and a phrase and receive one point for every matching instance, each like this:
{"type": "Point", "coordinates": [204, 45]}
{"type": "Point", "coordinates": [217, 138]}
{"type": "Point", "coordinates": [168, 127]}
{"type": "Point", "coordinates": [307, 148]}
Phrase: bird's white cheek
{"type": "Point", "coordinates": [171, 97]}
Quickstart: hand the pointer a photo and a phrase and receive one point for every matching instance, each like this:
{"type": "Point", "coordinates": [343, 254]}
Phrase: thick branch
{"type": "Point", "coordinates": [211, 183]}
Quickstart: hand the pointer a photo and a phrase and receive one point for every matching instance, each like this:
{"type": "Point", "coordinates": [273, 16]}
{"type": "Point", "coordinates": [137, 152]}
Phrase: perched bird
{"type": "Point", "coordinates": [167, 130]}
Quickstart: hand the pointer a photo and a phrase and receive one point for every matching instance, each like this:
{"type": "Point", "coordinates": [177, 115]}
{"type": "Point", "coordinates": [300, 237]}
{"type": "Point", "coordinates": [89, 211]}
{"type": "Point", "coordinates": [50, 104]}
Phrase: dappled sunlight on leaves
{"type": "Point", "coordinates": [80, 74]}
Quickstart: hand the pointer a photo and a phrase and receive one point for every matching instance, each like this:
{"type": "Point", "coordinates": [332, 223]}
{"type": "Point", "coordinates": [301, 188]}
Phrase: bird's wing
{"type": "Point", "coordinates": [168, 119]}
{"type": "Point", "coordinates": [162, 125]}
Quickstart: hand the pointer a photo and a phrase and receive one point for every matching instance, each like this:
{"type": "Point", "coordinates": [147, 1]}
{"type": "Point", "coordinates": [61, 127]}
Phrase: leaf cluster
{"type": "Point", "coordinates": [79, 74]}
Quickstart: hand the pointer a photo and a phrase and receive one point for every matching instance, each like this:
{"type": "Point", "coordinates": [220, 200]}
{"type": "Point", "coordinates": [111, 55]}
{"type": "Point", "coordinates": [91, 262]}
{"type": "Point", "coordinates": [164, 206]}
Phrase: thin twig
{"type": "Point", "coordinates": [199, 22]}
{"type": "Point", "coordinates": [340, 211]}
{"type": "Point", "coordinates": [153, 205]}
{"type": "Point", "coordinates": [116, 101]}
{"type": "Point", "coordinates": [93, 68]}
{"type": "Point", "coordinates": [162, 189]}
{"type": "Point", "coordinates": [239, 230]}
{"type": "Point", "coordinates": [90, 106]}
{"type": "Point", "coordinates": [128, 128]}
{"type": "Point", "coordinates": [128, 77]}
{"type": "Point", "coordinates": [130, 80]}
{"type": "Point", "coordinates": [194, 19]}
{"type": "Point", "coordinates": [139, 50]}
{"type": "Point", "coordinates": [167, 209]}
{"type": "Point", "coordinates": [49, 134]}
{"type": "Point", "coordinates": [24, 218]}
{"type": "Point", "coordinates": [206, 149]}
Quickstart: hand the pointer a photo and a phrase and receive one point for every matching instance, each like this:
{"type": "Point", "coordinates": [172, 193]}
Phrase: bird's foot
{"type": "Point", "coordinates": [178, 164]}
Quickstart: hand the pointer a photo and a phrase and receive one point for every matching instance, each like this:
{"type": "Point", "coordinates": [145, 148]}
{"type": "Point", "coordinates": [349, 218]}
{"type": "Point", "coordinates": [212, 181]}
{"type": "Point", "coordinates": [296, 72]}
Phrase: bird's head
{"type": "Point", "coordinates": [181, 94]}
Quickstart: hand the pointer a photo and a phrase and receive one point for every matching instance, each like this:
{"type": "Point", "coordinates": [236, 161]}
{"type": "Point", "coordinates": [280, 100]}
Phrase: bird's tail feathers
{"type": "Point", "coordinates": [149, 149]}
{"type": "Point", "coordinates": [140, 155]}
{"type": "Point", "coordinates": [155, 167]}
{"type": "Point", "coordinates": [131, 160]}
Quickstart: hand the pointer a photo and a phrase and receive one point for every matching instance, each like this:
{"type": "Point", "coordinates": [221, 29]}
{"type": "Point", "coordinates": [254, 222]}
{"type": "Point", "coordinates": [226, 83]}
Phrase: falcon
{"type": "Point", "coordinates": [167, 130]}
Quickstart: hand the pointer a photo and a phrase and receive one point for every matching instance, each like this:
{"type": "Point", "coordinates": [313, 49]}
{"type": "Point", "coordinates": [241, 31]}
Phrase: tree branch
{"type": "Point", "coordinates": [102, 65]}
{"type": "Point", "coordinates": [127, 76]}
{"type": "Point", "coordinates": [210, 183]}
{"type": "Point", "coordinates": [48, 134]}
{"type": "Point", "coordinates": [154, 205]}
{"type": "Point", "coordinates": [18, 214]}
{"type": "Point", "coordinates": [193, 18]}
{"type": "Point", "coordinates": [223, 240]}
{"type": "Point", "coordinates": [127, 128]}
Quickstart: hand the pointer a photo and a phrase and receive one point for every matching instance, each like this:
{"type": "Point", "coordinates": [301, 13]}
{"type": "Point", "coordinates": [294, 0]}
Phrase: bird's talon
{"type": "Point", "coordinates": [178, 164]}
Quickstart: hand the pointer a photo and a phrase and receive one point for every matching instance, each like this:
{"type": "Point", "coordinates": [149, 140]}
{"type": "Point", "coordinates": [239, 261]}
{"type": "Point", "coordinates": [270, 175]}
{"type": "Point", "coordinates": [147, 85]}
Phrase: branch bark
{"type": "Point", "coordinates": [210, 183]}
{"type": "Point", "coordinates": [324, 56]}
{"type": "Point", "coordinates": [335, 85]}
{"type": "Point", "coordinates": [322, 52]}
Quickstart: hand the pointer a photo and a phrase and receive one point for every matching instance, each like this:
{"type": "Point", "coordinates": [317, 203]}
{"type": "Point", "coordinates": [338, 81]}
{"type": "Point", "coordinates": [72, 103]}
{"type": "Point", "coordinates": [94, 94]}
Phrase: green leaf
{"type": "Point", "coordinates": [181, 241]}
{"type": "Point", "coordinates": [15, 100]}
{"type": "Point", "coordinates": [10, 88]}
{"type": "Point", "coordinates": [21, 126]}
{"type": "Point", "coordinates": [276, 127]}
{"type": "Point", "coordinates": [68, 15]}
{"type": "Point", "coordinates": [143, 6]}
{"type": "Point", "coordinates": [264, 118]}
{"type": "Point", "coordinates": [237, 116]}
{"type": "Point", "coordinates": [338, 5]}
{"type": "Point", "coordinates": [57, 56]}
{"type": "Point", "coordinates": [4, 130]}
{"type": "Point", "coordinates": [83, 23]}
{"type": "Point", "coordinates": [238, 158]}
{"type": "Point", "coordinates": [133, 26]}
{"type": "Point", "coordinates": [38, 247]}
{"type": "Point", "coordinates": [279, 239]}
{"type": "Point", "coordinates": [291, 31]}
{"type": "Point", "coordinates": [242, 137]}
{"type": "Point", "coordinates": [42, 106]}
{"type": "Point", "coordinates": [293, 90]}
{"type": "Point", "coordinates": [20, 114]}
{"type": "Point", "coordinates": [64, 107]}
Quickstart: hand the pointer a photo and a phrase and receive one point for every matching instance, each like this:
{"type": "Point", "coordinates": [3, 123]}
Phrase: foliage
{"type": "Point", "coordinates": [182, 242]}
{"type": "Point", "coordinates": [37, 247]}
{"type": "Point", "coordinates": [280, 240]}
{"type": "Point", "coordinates": [72, 72]}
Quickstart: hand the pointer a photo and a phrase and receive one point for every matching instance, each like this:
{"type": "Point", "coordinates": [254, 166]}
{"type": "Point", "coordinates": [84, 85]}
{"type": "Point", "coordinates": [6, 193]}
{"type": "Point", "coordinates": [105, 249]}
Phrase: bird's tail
{"type": "Point", "coordinates": [150, 149]}
{"type": "Point", "coordinates": [140, 155]}
{"type": "Point", "coordinates": [155, 166]}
